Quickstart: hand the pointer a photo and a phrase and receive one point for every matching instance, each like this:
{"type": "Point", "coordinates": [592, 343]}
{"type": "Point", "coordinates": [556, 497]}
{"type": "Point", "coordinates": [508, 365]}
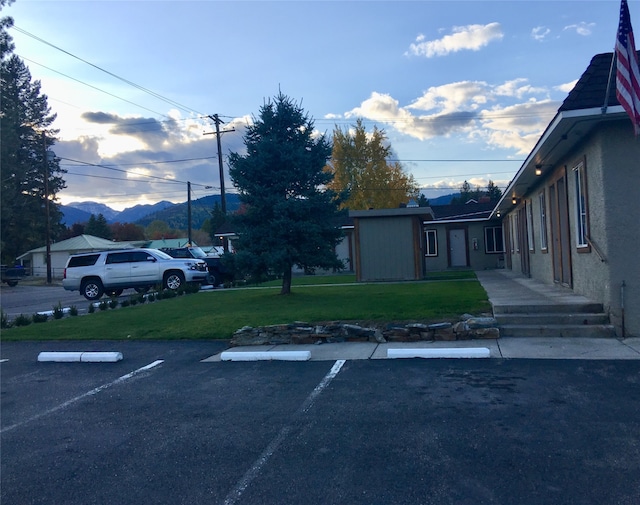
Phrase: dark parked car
{"type": "Point", "coordinates": [217, 272]}
{"type": "Point", "coordinates": [11, 275]}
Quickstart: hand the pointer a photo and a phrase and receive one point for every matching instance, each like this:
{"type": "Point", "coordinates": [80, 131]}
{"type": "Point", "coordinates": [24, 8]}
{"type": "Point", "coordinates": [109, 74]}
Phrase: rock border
{"type": "Point", "coordinates": [468, 328]}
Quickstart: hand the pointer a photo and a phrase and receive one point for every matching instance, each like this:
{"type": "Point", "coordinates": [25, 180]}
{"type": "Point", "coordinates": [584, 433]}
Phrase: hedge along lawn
{"type": "Point", "coordinates": [218, 314]}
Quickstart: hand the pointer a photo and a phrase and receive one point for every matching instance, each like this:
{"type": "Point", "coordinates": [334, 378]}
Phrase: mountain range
{"type": "Point", "coordinates": [174, 214]}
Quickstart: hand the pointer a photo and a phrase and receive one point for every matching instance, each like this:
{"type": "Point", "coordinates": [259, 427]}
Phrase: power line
{"type": "Point", "coordinates": [168, 180]}
{"type": "Point", "coordinates": [126, 81]}
{"type": "Point", "coordinates": [91, 86]}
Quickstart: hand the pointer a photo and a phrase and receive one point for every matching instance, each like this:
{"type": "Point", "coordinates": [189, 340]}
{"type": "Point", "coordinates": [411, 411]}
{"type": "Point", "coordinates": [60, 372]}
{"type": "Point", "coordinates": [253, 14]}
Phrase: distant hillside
{"type": "Point", "coordinates": [94, 208]}
{"type": "Point", "coordinates": [442, 200]}
{"type": "Point", "coordinates": [71, 215]}
{"type": "Point", "coordinates": [133, 214]}
{"type": "Point", "coordinates": [176, 216]}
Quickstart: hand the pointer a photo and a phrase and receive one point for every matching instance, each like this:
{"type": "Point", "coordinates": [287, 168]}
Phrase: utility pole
{"type": "Point", "coordinates": [189, 222]}
{"type": "Point", "coordinates": [223, 199]}
{"type": "Point", "coordinates": [46, 205]}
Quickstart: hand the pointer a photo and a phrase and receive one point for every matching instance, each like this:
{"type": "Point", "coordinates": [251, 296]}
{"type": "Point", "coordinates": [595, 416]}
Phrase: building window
{"type": "Point", "coordinates": [530, 239]}
{"type": "Point", "coordinates": [432, 243]}
{"type": "Point", "coordinates": [493, 240]}
{"type": "Point", "coordinates": [543, 221]}
{"type": "Point", "coordinates": [582, 225]}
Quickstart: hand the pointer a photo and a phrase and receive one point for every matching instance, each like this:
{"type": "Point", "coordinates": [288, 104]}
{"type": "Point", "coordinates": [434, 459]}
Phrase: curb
{"type": "Point", "coordinates": [265, 356]}
{"type": "Point", "coordinates": [80, 357]}
{"type": "Point", "coordinates": [475, 352]}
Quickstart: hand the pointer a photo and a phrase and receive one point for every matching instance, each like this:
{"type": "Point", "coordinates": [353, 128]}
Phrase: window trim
{"type": "Point", "coordinates": [427, 252]}
{"type": "Point", "coordinates": [544, 235]}
{"type": "Point", "coordinates": [530, 235]}
{"type": "Point", "coordinates": [581, 207]}
{"type": "Point", "coordinates": [493, 240]}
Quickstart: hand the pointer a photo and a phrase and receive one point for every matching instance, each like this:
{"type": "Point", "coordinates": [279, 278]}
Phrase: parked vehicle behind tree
{"type": "Point", "coordinates": [217, 273]}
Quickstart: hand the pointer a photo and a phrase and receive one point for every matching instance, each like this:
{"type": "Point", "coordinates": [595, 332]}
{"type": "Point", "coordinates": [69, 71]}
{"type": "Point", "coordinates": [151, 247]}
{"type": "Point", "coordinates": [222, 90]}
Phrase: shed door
{"type": "Point", "coordinates": [458, 247]}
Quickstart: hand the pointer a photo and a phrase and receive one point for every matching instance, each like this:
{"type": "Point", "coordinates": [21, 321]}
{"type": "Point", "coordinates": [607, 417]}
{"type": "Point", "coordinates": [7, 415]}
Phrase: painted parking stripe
{"type": "Point", "coordinates": [236, 493]}
{"type": "Point", "coordinates": [84, 395]}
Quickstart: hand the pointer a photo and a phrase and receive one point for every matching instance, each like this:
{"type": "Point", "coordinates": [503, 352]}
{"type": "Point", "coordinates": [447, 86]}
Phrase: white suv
{"type": "Point", "coordinates": [96, 273]}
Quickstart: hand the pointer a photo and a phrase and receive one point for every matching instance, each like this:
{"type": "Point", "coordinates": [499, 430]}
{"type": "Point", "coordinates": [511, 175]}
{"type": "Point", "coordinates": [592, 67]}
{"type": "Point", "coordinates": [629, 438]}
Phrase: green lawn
{"type": "Point", "coordinates": [217, 314]}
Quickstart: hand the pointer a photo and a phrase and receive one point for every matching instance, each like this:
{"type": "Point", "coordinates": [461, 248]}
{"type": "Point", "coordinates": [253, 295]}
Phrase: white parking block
{"type": "Point", "coordinates": [471, 352]}
{"type": "Point", "coordinates": [265, 356]}
{"type": "Point", "coordinates": [77, 357]}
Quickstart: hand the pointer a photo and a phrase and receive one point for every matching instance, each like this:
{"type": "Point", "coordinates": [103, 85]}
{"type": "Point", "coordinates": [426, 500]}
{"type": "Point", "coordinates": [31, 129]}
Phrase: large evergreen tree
{"type": "Point", "coordinates": [360, 168]}
{"type": "Point", "coordinates": [25, 138]}
{"type": "Point", "coordinates": [289, 217]}
{"type": "Point", "coordinates": [98, 227]}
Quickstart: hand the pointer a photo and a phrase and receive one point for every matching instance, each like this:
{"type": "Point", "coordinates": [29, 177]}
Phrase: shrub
{"type": "Point", "coordinates": [40, 318]}
{"type": "Point", "coordinates": [125, 303]}
{"type": "Point", "coordinates": [4, 321]}
{"type": "Point", "coordinates": [169, 293]}
{"type": "Point", "coordinates": [133, 300]}
{"type": "Point", "coordinates": [142, 298]}
{"type": "Point", "coordinates": [92, 308]}
{"type": "Point", "coordinates": [113, 303]}
{"type": "Point", "coordinates": [57, 311]}
{"type": "Point", "coordinates": [73, 310]}
{"type": "Point", "coordinates": [103, 305]}
{"type": "Point", "coordinates": [22, 320]}
{"type": "Point", "coordinates": [151, 297]}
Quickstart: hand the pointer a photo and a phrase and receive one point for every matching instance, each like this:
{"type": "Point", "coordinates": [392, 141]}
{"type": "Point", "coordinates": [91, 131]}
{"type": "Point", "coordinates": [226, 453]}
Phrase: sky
{"type": "Point", "coordinates": [462, 89]}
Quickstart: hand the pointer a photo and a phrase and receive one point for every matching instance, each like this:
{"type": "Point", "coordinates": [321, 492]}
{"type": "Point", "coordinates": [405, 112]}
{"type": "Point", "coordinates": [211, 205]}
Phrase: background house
{"type": "Point", "coordinates": [35, 260]}
{"type": "Point", "coordinates": [571, 212]}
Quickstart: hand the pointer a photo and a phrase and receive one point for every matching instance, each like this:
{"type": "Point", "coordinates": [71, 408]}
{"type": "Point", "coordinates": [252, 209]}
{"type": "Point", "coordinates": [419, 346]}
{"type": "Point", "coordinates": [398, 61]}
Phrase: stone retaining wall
{"type": "Point", "coordinates": [302, 333]}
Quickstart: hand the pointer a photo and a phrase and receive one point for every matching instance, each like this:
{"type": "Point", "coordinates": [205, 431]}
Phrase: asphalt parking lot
{"type": "Point", "coordinates": [162, 426]}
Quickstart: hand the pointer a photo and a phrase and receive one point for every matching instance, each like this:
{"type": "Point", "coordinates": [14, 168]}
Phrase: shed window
{"type": "Point", "coordinates": [493, 240]}
{"type": "Point", "coordinates": [431, 243]}
{"type": "Point", "coordinates": [582, 230]}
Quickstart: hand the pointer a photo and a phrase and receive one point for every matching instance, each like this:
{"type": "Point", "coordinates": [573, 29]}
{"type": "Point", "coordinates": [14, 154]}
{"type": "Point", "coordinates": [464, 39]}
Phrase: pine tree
{"type": "Point", "coordinates": [98, 227]}
{"type": "Point", "coordinates": [25, 138]}
{"type": "Point", "coordinates": [494, 192]}
{"type": "Point", "coordinates": [288, 216]}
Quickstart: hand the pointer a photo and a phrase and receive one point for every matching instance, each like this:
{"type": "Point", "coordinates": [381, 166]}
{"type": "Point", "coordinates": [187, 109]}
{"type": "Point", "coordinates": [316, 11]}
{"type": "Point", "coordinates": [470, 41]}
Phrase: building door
{"type": "Point", "coordinates": [523, 241]}
{"type": "Point", "coordinates": [458, 247]}
{"type": "Point", "coordinates": [560, 234]}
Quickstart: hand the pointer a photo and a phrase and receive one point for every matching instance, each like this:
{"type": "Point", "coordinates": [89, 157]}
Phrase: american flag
{"type": "Point", "coordinates": [627, 72]}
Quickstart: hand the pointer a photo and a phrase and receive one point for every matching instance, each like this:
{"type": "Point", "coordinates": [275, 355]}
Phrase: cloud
{"type": "Point", "coordinates": [171, 152]}
{"type": "Point", "coordinates": [540, 33]}
{"type": "Point", "coordinates": [476, 110]}
{"type": "Point", "coordinates": [470, 37]}
{"type": "Point", "coordinates": [581, 28]}
{"type": "Point", "coordinates": [567, 87]}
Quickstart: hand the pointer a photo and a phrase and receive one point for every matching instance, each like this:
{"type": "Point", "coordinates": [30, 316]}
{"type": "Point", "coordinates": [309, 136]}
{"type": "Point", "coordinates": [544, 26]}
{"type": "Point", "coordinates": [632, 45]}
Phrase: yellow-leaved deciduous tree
{"type": "Point", "coordinates": [362, 174]}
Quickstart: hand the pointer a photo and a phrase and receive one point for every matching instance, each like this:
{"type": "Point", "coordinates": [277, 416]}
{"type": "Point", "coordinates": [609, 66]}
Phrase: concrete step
{"type": "Point", "coordinates": [543, 318]}
{"type": "Point", "coordinates": [572, 308]}
{"type": "Point", "coordinates": [558, 330]}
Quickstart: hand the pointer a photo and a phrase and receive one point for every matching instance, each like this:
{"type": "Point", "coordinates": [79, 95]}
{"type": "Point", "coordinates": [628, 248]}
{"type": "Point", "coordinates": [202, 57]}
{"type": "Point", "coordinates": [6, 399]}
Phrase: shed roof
{"type": "Point", "coordinates": [425, 212]}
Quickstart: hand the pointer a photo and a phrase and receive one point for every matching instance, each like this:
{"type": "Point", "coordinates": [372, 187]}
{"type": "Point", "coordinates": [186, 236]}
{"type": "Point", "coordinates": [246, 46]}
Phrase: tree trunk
{"type": "Point", "coordinates": [286, 282]}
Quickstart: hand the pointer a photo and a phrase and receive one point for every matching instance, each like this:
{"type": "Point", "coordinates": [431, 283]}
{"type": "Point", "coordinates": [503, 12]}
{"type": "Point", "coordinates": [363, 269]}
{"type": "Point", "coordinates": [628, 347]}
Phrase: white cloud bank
{"type": "Point", "coordinates": [511, 115]}
{"type": "Point", "coordinates": [470, 37]}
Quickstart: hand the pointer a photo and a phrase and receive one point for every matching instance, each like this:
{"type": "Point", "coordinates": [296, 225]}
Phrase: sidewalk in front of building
{"type": "Point", "coordinates": [503, 287]}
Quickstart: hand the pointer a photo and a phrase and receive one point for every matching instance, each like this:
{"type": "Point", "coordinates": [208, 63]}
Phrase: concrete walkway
{"type": "Point", "coordinates": [503, 287]}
